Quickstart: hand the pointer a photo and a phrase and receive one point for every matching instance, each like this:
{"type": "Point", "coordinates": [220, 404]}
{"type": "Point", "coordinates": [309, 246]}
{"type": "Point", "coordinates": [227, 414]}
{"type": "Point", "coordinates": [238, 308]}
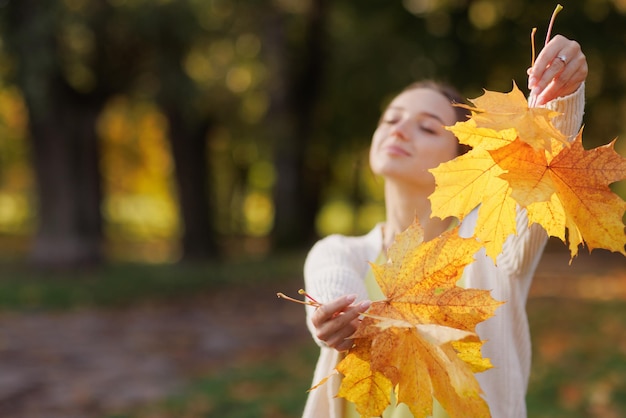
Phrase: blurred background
{"type": "Point", "coordinates": [159, 131]}
{"type": "Point", "coordinates": [164, 163]}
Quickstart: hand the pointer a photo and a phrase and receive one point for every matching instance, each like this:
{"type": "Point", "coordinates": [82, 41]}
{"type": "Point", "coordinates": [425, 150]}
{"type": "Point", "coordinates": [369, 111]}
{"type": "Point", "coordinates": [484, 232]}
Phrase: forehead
{"type": "Point", "coordinates": [424, 100]}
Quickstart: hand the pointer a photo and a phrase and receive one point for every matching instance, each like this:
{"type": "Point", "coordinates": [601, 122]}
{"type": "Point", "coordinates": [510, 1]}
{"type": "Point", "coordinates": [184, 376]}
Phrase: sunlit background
{"type": "Point", "coordinates": [242, 68]}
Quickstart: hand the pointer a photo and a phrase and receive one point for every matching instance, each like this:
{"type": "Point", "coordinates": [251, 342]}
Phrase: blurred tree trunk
{"type": "Point", "coordinates": [64, 143]}
{"type": "Point", "coordinates": [189, 149]}
{"type": "Point", "coordinates": [292, 113]}
{"type": "Point", "coordinates": [188, 129]}
{"type": "Point", "coordinates": [65, 159]}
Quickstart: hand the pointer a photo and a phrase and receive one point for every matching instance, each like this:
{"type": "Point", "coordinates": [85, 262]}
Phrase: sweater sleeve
{"type": "Point", "coordinates": [572, 109]}
{"type": "Point", "coordinates": [335, 267]}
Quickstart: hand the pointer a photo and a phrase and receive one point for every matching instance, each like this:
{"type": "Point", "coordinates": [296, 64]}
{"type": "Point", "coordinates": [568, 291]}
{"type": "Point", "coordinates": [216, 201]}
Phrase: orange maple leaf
{"type": "Point", "coordinates": [569, 191]}
{"type": "Point", "coordinates": [421, 339]}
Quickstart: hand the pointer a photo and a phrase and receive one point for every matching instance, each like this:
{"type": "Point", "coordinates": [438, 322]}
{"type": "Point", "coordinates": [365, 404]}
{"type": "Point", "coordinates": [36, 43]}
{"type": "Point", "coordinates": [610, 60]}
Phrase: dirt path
{"type": "Point", "coordinates": [86, 363]}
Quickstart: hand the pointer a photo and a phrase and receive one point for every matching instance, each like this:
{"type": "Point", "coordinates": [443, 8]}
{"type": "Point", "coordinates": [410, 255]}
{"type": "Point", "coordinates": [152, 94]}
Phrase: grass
{"type": "Point", "coordinates": [579, 364]}
{"type": "Point", "coordinates": [272, 386]}
{"type": "Point", "coordinates": [579, 370]}
{"type": "Point", "coordinates": [579, 359]}
{"type": "Point", "coordinates": [118, 284]}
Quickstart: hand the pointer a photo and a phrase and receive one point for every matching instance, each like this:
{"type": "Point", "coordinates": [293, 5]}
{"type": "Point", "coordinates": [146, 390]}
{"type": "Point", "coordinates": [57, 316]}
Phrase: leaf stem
{"type": "Point", "coordinates": [532, 45]}
{"type": "Point", "coordinates": [311, 298]}
{"type": "Point", "coordinates": [556, 11]}
{"type": "Point", "coordinates": [311, 302]}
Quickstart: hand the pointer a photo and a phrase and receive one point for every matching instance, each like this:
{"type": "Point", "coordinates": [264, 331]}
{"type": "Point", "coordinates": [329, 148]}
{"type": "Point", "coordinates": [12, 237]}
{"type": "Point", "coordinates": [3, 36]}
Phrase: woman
{"type": "Point", "coordinates": [410, 140]}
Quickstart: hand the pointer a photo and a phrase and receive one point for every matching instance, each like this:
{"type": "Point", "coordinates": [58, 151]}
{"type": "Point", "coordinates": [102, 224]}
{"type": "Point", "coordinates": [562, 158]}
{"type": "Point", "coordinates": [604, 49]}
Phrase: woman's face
{"type": "Point", "coordinates": [411, 138]}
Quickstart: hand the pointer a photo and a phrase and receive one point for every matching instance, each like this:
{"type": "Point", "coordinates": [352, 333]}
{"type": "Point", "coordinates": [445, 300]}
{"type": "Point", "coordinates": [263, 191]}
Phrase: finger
{"type": "Point", "coordinates": [339, 327]}
{"type": "Point", "coordinates": [565, 84]}
{"type": "Point", "coordinates": [345, 345]}
{"type": "Point", "coordinates": [548, 76]}
{"type": "Point", "coordinates": [337, 322]}
{"type": "Point", "coordinates": [545, 57]}
{"type": "Point", "coordinates": [548, 63]}
{"type": "Point", "coordinates": [564, 60]}
{"type": "Point", "coordinates": [561, 79]}
{"type": "Point", "coordinates": [343, 341]}
{"type": "Point", "coordinates": [330, 309]}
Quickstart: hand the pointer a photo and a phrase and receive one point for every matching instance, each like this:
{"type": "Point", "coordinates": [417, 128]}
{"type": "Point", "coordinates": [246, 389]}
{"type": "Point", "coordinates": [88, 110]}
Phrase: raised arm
{"type": "Point", "coordinates": [559, 71]}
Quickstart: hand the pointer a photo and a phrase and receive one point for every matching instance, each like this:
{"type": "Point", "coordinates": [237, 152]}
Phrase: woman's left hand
{"type": "Point", "coordinates": [559, 70]}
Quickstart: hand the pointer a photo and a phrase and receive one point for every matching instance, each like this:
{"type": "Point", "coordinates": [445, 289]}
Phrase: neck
{"type": "Point", "coordinates": [404, 205]}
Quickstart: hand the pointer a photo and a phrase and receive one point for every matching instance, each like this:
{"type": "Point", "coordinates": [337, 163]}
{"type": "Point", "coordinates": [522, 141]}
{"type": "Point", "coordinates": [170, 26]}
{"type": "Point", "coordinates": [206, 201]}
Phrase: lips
{"type": "Point", "coordinates": [396, 150]}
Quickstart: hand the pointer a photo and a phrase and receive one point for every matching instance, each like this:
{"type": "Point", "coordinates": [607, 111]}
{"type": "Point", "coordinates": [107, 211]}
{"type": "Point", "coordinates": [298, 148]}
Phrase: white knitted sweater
{"type": "Point", "coordinates": [337, 265]}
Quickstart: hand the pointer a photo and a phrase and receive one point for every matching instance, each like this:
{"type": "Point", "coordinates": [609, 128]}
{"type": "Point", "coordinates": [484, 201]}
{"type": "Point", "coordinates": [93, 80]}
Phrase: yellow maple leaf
{"type": "Point", "coordinates": [469, 352]}
{"type": "Point", "coordinates": [408, 339]}
{"type": "Point", "coordinates": [471, 180]}
{"type": "Point", "coordinates": [367, 389]}
{"type": "Point", "coordinates": [569, 190]}
{"type": "Point", "coordinates": [503, 111]}
{"type": "Point", "coordinates": [469, 133]}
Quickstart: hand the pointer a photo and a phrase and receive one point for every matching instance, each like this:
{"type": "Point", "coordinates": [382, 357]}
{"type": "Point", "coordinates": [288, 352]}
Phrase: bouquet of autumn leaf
{"type": "Point", "coordinates": [420, 341]}
{"type": "Point", "coordinates": [520, 159]}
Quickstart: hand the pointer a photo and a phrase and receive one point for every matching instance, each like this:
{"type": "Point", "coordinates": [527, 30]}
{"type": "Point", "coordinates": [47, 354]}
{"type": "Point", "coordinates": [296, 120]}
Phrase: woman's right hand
{"type": "Point", "coordinates": [336, 321]}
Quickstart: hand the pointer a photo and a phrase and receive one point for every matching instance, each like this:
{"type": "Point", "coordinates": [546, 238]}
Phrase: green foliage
{"type": "Point", "coordinates": [25, 288]}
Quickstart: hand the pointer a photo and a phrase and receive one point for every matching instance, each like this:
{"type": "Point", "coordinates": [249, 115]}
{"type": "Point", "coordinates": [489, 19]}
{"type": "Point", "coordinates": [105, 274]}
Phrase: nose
{"type": "Point", "coordinates": [399, 130]}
